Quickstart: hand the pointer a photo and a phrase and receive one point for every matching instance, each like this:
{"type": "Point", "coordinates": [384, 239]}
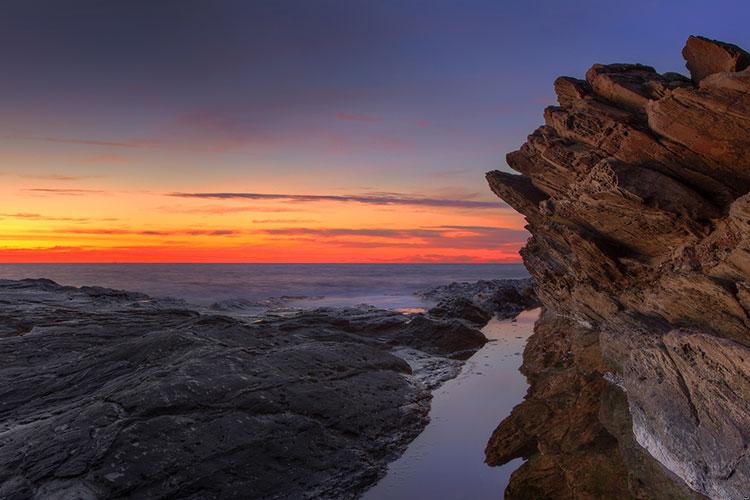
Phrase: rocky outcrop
{"type": "Point", "coordinates": [478, 302]}
{"type": "Point", "coordinates": [110, 394]}
{"type": "Point", "coordinates": [636, 195]}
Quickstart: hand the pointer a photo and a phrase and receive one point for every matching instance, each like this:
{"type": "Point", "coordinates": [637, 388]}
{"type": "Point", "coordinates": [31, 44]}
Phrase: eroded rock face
{"type": "Point", "coordinates": [573, 428]}
{"type": "Point", "coordinates": [636, 194]}
{"type": "Point", "coordinates": [110, 394]}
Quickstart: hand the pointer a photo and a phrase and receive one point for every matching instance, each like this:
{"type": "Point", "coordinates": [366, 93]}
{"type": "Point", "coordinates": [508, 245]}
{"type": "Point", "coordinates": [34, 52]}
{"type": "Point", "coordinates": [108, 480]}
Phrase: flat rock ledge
{"type": "Point", "coordinates": [112, 394]}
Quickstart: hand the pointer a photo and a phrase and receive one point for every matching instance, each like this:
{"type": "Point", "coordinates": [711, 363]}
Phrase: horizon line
{"type": "Point", "coordinates": [264, 263]}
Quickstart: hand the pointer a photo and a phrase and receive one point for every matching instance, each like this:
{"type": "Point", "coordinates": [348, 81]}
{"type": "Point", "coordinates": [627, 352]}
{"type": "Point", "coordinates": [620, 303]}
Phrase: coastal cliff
{"type": "Point", "coordinates": [636, 195]}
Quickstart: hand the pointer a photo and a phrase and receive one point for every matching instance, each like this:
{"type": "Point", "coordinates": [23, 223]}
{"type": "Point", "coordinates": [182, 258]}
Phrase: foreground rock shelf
{"type": "Point", "coordinates": [111, 394]}
{"type": "Point", "coordinates": [636, 194]}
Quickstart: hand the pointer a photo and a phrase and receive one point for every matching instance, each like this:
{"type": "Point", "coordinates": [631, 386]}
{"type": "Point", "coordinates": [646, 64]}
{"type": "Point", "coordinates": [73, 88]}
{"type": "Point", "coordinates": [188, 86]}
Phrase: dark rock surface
{"type": "Point", "coordinates": [110, 394]}
{"type": "Point", "coordinates": [636, 191]}
{"type": "Point", "coordinates": [479, 301]}
{"type": "Point", "coordinates": [382, 328]}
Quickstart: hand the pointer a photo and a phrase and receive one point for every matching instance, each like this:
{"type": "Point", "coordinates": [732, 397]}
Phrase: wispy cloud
{"type": "Point", "coordinates": [372, 199]}
{"type": "Point", "coordinates": [356, 117]}
{"type": "Point", "coordinates": [63, 192]}
{"type": "Point", "coordinates": [85, 141]}
{"type": "Point", "coordinates": [106, 159]}
{"type": "Point", "coordinates": [476, 228]}
{"type": "Point", "coordinates": [334, 232]}
{"type": "Point", "coordinates": [283, 221]}
{"type": "Point", "coordinates": [221, 209]}
{"type": "Point", "coordinates": [41, 217]}
{"type": "Point", "coordinates": [466, 237]}
{"type": "Point", "coordinates": [56, 177]}
{"type": "Point", "coordinates": [146, 232]}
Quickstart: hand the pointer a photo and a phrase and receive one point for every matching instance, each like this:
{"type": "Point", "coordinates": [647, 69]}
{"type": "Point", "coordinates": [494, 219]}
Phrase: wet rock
{"type": "Point", "coordinates": [480, 301]}
{"type": "Point", "coordinates": [573, 428]}
{"type": "Point", "coordinates": [366, 324]}
{"type": "Point", "coordinates": [636, 193]}
{"type": "Point", "coordinates": [110, 394]}
{"type": "Point", "coordinates": [461, 307]}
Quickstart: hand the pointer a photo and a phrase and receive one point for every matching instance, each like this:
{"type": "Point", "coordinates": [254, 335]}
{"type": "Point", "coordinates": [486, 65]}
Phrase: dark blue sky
{"type": "Point", "coordinates": [417, 85]}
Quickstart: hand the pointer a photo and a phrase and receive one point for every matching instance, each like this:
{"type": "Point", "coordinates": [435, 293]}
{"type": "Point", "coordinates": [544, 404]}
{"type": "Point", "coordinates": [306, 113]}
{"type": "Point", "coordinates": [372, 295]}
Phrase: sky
{"type": "Point", "coordinates": [294, 131]}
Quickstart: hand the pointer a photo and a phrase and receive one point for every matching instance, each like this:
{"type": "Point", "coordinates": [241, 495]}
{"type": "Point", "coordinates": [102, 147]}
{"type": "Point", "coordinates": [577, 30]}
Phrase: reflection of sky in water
{"type": "Point", "coordinates": [446, 461]}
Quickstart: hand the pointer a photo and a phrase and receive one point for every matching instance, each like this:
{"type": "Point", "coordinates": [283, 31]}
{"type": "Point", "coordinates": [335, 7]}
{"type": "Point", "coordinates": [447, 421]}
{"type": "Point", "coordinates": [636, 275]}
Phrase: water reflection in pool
{"type": "Point", "coordinates": [446, 461]}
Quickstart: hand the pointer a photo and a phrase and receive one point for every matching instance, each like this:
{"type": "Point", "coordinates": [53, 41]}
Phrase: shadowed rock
{"type": "Point", "coordinates": [480, 301]}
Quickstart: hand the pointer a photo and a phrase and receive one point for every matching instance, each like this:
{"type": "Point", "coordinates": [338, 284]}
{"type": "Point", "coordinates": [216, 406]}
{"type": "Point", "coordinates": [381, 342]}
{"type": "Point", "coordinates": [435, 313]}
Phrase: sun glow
{"type": "Point", "coordinates": [96, 223]}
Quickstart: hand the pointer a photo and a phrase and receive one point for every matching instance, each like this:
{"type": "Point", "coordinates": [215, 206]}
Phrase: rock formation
{"type": "Point", "coordinates": [636, 193]}
{"type": "Point", "coordinates": [479, 301]}
{"type": "Point", "coordinates": [110, 394]}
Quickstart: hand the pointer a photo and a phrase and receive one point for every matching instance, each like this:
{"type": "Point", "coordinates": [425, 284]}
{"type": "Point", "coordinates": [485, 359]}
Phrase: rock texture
{"type": "Point", "coordinates": [110, 394]}
{"type": "Point", "coordinates": [479, 301]}
{"type": "Point", "coordinates": [574, 427]}
{"type": "Point", "coordinates": [636, 194]}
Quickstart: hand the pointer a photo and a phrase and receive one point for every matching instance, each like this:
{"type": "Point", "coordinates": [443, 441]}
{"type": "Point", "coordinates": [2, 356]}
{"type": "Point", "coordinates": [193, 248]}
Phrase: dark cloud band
{"type": "Point", "coordinates": [366, 199]}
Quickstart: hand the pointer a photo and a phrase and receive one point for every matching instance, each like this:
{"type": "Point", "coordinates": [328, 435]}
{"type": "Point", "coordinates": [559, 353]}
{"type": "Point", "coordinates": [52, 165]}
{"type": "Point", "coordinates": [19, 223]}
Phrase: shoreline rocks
{"type": "Point", "coordinates": [480, 301]}
{"type": "Point", "coordinates": [112, 394]}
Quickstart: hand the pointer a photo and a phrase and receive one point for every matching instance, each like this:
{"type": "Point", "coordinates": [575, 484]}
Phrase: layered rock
{"type": "Point", "coordinates": [110, 394]}
{"type": "Point", "coordinates": [636, 195]}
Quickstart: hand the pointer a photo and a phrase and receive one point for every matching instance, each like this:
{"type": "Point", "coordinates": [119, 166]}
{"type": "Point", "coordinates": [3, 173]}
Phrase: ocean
{"type": "Point", "coordinates": [389, 286]}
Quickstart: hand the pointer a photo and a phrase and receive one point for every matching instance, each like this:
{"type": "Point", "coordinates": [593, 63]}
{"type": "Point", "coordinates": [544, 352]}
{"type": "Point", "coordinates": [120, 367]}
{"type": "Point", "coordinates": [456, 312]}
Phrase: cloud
{"type": "Point", "coordinates": [451, 173]}
{"type": "Point", "coordinates": [106, 159]}
{"type": "Point", "coordinates": [455, 237]}
{"type": "Point", "coordinates": [56, 177]}
{"type": "Point", "coordinates": [334, 232]}
{"type": "Point", "coordinates": [63, 192]}
{"type": "Point", "coordinates": [372, 199]}
{"type": "Point", "coordinates": [147, 232]}
{"type": "Point", "coordinates": [479, 228]}
{"type": "Point", "coordinates": [203, 131]}
{"type": "Point", "coordinates": [433, 258]}
{"type": "Point", "coordinates": [40, 217]}
{"type": "Point", "coordinates": [84, 141]}
{"type": "Point", "coordinates": [282, 221]}
{"type": "Point", "coordinates": [221, 210]}
{"type": "Point", "coordinates": [356, 117]}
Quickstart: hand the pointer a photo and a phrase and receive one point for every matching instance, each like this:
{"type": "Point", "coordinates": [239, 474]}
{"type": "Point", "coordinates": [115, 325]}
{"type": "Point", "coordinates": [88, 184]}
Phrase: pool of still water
{"type": "Point", "coordinates": [446, 461]}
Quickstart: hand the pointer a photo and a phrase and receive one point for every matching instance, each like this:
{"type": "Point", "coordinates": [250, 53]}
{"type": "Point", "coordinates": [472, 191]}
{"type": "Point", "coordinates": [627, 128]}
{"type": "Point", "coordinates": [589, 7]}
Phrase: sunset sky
{"type": "Point", "coordinates": [293, 131]}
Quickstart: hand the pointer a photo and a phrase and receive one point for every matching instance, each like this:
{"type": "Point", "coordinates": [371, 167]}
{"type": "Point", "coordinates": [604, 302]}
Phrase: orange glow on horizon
{"type": "Point", "coordinates": [98, 224]}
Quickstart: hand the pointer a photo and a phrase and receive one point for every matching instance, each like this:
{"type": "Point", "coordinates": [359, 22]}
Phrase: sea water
{"type": "Point", "coordinates": [446, 461]}
{"type": "Point", "coordinates": [389, 286]}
